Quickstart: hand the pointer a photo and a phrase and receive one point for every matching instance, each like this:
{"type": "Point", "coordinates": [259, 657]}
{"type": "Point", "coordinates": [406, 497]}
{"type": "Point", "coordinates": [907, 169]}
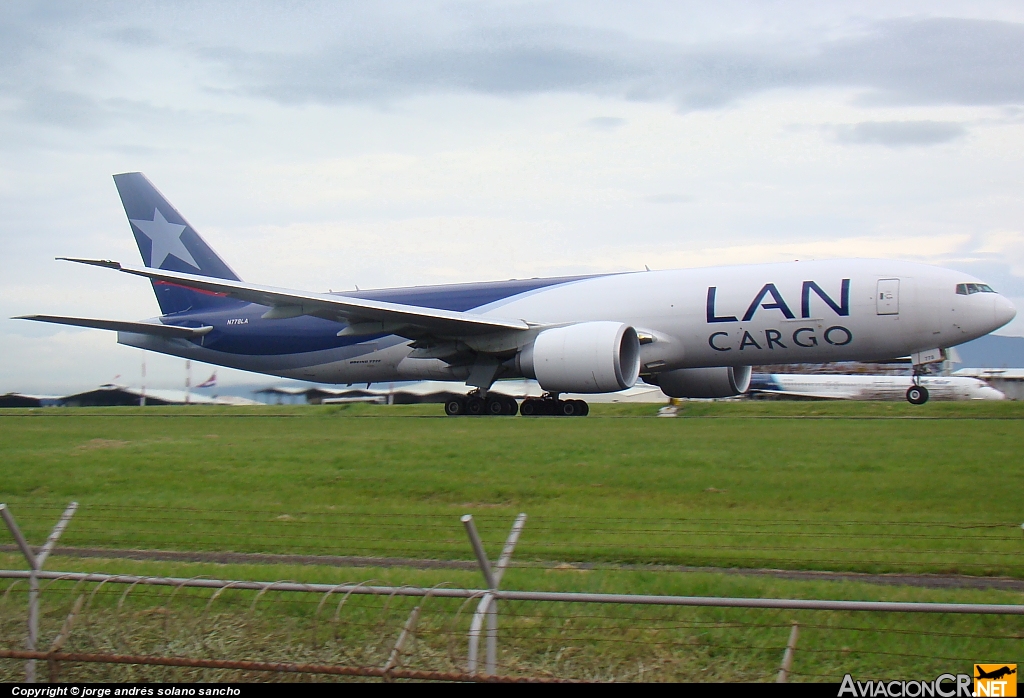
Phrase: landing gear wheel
{"type": "Point", "coordinates": [456, 407]}
{"type": "Point", "coordinates": [496, 406]}
{"type": "Point", "coordinates": [511, 407]}
{"type": "Point", "coordinates": [474, 406]}
{"type": "Point", "coordinates": [551, 406]}
{"type": "Point", "coordinates": [536, 407]}
{"type": "Point", "coordinates": [917, 395]}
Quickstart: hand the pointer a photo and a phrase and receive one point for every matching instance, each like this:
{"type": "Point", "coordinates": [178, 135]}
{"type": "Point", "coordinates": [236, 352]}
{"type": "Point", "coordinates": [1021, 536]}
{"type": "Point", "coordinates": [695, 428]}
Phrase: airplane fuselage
{"type": "Point", "coordinates": [798, 312]}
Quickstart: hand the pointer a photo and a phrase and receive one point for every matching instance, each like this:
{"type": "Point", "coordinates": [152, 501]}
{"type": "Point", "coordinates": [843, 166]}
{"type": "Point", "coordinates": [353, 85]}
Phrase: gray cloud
{"type": "Point", "coordinates": [895, 134]}
{"type": "Point", "coordinates": [502, 62]}
{"type": "Point", "coordinates": [38, 69]}
{"type": "Point", "coordinates": [944, 60]}
{"type": "Point", "coordinates": [134, 36]}
{"type": "Point", "coordinates": [377, 60]}
{"type": "Point", "coordinates": [60, 108]}
{"type": "Point", "coordinates": [903, 61]}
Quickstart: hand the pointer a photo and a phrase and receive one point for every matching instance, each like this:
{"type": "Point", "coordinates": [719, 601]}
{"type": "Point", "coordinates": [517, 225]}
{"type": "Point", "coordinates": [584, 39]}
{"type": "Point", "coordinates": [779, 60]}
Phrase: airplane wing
{"type": "Point", "coordinates": [375, 316]}
{"type": "Point", "coordinates": [170, 331]}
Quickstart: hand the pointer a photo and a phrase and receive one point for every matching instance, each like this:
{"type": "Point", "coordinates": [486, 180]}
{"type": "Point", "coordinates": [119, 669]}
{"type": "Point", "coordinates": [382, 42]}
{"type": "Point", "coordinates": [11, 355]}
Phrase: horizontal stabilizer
{"type": "Point", "coordinates": [331, 306]}
{"type": "Point", "coordinates": [169, 331]}
{"type": "Point", "coordinates": [93, 262]}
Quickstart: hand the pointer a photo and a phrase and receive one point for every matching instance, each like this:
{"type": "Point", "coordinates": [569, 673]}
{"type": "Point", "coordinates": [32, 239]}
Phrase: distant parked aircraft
{"type": "Point", "coordinates": [847, 387]}
{"type": "Point", "coordinates": [692, 332]}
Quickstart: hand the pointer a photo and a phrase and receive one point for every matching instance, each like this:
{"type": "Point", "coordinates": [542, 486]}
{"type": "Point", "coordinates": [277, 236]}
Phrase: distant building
{"type": "Point", "coordinates": [110, 396]}
{"type": "Point", "coordinates": [23, 400]}
{"type": "Point", "coordinates": [285, 395]}
{"type": "Point", "coordinates": [120, 396]}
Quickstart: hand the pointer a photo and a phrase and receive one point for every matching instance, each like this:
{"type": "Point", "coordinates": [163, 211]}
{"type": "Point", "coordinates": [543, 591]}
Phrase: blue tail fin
{"type": "Point", "coordinates": [167, 241]}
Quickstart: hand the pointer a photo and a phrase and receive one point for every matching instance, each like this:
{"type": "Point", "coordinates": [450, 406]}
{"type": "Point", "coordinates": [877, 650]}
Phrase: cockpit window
{"type": "Point", "coordinates": [968, 289]}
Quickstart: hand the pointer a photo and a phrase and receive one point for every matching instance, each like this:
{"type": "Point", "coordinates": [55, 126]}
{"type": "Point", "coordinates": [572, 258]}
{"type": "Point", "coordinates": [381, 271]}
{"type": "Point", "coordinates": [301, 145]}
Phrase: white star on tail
{"type": "Point", "coordinates": [166, 239]}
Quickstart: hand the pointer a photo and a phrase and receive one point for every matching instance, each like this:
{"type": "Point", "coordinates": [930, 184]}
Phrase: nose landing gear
{"type": "Point", "coordinates": [917, 395]}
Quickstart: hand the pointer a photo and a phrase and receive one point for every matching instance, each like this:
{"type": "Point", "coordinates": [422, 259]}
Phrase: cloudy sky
{"type": "Point", "coordinates": [323, 146]}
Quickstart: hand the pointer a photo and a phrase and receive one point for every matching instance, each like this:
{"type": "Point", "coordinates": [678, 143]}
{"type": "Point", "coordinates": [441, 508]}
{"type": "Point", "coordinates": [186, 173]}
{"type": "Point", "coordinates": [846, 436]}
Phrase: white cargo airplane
{"type": "Point", "coordinates": [692, 332]}
{"type": "Point", "coordinates": [855, 387]}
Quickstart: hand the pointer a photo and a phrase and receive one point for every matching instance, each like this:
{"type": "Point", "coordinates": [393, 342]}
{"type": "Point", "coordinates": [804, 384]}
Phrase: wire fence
{"type": "Point", "coordinates": [124, 630]}
{"type": "Point", "coordinates": [104, 627]}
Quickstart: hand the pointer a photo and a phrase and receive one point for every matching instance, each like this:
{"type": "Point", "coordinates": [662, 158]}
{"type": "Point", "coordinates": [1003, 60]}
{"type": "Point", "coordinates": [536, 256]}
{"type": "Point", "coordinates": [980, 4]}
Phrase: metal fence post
{"type": "Point", "coordinates": [35, 564]}
{"type": "Point", "coordinates": [787, 658]}
{"type": "Point", "coordinates": [395, 659]}
{"type": "Point", "coordinates": [488, 606]}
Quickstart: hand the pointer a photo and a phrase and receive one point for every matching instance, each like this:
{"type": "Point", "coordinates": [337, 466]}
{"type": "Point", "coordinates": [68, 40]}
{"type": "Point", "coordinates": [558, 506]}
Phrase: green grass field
{"type": "Point", "coordinates": [869, 486]}
{"type": "Point", "coordinates": [865, 487]}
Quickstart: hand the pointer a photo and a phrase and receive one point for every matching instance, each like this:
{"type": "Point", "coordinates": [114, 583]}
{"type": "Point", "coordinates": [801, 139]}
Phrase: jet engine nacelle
{"type": "Point", "coordinates": [723, 381]}
{"type": "Point", "coordinates": [589, 357]}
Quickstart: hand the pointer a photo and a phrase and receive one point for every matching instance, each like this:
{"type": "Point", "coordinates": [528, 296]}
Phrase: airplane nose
{"type": "Point", "coordinates": [1004, 311]}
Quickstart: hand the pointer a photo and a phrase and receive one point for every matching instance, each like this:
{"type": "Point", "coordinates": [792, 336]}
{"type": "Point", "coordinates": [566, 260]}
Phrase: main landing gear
{"type": "Point", "coordinates": [550, 405]}
{"type": "Point", "coordinates": [493, 405]}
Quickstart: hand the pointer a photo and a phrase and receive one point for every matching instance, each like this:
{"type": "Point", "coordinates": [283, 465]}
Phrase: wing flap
{"type": "Point", "coordinates": [340, 308]}
{"type": "Point", "coordinates": [169, 331]}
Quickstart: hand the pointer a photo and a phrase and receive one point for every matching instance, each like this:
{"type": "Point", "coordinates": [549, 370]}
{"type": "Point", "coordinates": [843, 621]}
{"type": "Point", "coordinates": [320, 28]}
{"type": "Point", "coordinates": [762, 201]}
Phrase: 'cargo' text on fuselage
{"type": "Point", "coordinates": [806, 337]}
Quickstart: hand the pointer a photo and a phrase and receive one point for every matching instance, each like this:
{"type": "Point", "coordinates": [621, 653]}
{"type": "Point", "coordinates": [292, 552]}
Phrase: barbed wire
{"type": "Point", "coordinates": [514, 633]}
{"type": "Point", "coordinates": [299, 597]}
{"type": "Point", "coordinates": [365, 629]}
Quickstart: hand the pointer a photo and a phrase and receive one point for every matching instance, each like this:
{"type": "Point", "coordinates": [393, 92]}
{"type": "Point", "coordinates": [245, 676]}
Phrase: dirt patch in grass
{"type": "Point", "coordinates": [97, 444]}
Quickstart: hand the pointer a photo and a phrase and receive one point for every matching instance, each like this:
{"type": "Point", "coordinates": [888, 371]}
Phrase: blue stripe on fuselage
{"type": "Point", "coordinates": [242, 330]}
{"type": "Point", "coordinates": [462, 297]}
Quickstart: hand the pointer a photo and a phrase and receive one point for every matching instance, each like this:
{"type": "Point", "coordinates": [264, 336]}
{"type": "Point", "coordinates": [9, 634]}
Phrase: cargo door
{"type": "Point", "coordinates": [887, 300]}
